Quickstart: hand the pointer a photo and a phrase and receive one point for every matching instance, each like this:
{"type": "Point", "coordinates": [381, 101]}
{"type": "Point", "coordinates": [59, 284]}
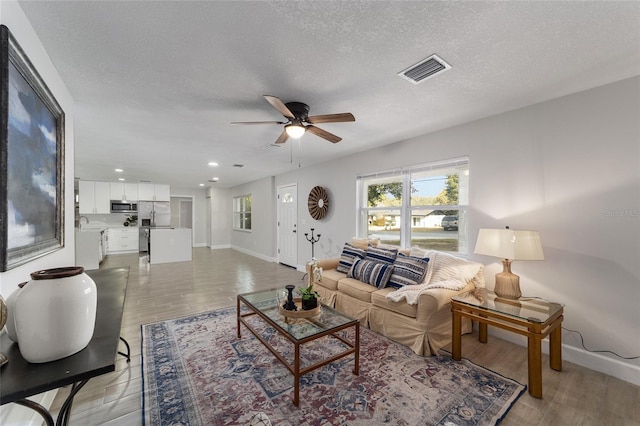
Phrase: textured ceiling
{"type": "Point", "coordinates": [157, 83]}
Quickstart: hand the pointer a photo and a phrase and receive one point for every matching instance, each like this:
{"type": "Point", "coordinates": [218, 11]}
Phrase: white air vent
{"type": "Point", "coordinates": [425, 69]}
{"type": "Point", "coordinates": [273, 146]}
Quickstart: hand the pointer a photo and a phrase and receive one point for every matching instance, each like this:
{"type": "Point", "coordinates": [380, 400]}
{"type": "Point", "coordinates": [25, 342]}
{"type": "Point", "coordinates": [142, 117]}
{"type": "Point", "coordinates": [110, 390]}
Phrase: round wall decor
{"type": "Point", "coordinates": [318, 202]}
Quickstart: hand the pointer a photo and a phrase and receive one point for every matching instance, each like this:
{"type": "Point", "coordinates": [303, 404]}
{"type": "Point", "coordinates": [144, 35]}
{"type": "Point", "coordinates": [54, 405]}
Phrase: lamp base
{"type": "Point", "coordinates": [507, 283]}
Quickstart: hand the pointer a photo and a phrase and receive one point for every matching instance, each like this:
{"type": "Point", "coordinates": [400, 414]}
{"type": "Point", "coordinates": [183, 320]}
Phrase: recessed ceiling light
{"type": "Point", "coordinates": [215, 179]}
{"type": "Point", "coordinates": [121, 179]}
{"type": "Point", "coordinates": [202, 184]}
{"type": "Point", "coordinates": [212, 164]}
{"type": "Point", "coordinates": [119, 170]}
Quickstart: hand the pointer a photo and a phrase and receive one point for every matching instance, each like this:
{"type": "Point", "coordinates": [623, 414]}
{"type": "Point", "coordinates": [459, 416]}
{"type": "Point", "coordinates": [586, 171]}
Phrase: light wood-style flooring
{"type": "Point", "coordinates": [575, 396]}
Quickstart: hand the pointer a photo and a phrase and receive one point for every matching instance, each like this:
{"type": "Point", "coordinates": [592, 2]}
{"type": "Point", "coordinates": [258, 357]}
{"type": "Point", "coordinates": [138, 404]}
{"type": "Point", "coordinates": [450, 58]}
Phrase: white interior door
{"type": "Point", "coordinates": [287, 225]}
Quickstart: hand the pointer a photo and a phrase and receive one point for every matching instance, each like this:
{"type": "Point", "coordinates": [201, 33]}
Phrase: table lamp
{"type": "Point", "coordinates": [509, 245]}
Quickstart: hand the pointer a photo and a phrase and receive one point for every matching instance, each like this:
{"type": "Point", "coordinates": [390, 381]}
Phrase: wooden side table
{"type": "Point", "coordinates": [534, 318]}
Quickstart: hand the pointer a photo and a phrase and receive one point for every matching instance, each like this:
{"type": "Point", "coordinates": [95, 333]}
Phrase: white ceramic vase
{"type": "Point", "coordinates": [11, 318]}
{"type": "Point", "coordinates": [55, 314]}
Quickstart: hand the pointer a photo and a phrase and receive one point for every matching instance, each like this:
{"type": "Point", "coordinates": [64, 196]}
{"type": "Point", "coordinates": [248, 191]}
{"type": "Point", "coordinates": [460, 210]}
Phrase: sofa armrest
{"type": "Point", "coordinates": [435, 299]}
{"type": "Point", "coordinates": [325, 264]}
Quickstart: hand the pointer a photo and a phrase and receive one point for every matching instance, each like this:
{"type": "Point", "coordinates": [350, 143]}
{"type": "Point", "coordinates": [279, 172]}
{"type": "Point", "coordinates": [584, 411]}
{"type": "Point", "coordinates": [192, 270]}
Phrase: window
{"type": "Point", "coordinates": [424, 205]}
{"type": "Point", "coordinates": [242, 212]}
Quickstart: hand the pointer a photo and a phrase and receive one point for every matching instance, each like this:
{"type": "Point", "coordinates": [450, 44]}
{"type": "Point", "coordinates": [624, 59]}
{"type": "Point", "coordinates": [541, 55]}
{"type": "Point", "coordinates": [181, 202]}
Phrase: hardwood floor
{"type": "Point", "coordinates": [575, 396]}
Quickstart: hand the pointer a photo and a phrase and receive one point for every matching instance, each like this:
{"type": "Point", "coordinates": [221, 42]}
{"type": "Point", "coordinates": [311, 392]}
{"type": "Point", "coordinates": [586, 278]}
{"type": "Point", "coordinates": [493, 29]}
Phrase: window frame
{"type": "Point", "coordinates": [405, 176]}
{"type": "Point", "coordinates": [241, 213]}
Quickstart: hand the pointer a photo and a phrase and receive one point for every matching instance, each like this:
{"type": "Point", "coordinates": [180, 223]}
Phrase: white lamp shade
{"type": "Point", "coordinates": [509, 244]}
{"type": "Point", "coordinates": [295, 130]}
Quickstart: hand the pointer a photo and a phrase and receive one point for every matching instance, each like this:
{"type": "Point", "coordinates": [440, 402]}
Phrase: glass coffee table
{"type": "Point", "coordinates": [298, 331]}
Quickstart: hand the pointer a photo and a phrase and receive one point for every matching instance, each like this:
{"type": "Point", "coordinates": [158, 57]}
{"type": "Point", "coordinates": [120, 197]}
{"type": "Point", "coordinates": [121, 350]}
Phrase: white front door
{"type": "Point", "coordinates": [287, 225]}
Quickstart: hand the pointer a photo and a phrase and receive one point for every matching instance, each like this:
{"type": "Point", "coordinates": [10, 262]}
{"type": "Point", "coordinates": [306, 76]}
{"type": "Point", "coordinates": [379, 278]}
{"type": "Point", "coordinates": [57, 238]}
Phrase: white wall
{"type": "Point", "coordinates": [12, 16]}
{"type": "Point", "coordinates": [221, 220]}
{"type": "Point", "coordinates": [260, 240]}
{"type": "Point", "coordinates": [567, 168]}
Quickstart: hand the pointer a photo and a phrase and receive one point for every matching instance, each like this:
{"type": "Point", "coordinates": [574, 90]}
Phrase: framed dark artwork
{"type": "Point", "coordinates": [31, 160]}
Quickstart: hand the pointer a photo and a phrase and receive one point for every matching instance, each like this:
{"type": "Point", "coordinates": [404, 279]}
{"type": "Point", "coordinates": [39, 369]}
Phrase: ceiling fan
{"type": "Point", "coordinates": [297, 115]}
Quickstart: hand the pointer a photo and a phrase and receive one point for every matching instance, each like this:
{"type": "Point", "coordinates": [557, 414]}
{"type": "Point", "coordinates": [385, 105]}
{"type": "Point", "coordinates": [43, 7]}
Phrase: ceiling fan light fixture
{"type": "Point", "coordinates": [295, 131]}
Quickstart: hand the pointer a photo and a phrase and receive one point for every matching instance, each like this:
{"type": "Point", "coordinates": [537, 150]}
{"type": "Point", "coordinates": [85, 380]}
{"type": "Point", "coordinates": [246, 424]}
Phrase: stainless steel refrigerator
{"type": "Point", "coordinates": [152, 214]}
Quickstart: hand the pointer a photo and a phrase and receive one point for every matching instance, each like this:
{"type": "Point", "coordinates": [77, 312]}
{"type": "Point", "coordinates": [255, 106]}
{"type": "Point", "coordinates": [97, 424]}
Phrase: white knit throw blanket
{"type": "Point", "coordinates": [449, 272]}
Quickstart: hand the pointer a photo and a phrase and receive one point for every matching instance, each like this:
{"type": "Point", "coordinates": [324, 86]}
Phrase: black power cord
{"type": "Point", "coordinates": [596, 351]}
{"type": "Point", "coordinates": [582, 338]}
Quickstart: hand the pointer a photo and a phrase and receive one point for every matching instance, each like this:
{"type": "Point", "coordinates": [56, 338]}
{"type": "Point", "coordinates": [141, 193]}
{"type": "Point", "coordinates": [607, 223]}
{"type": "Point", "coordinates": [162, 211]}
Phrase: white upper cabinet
{"type": "Point", "coordinates": [153, 192]}
{"type": "Point", "coordinates": [163, 193]}
{"type": "Point", "coordinates": [124, 191]}
{"type": "Point", "coordinates": [94, 197]}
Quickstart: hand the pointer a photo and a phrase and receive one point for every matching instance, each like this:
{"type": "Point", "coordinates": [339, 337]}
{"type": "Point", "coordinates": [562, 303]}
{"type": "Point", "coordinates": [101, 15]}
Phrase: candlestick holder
{"type": "Point", "coordinates": [290, 305]}
{"type": "Point", "coordinates": [312, 240]}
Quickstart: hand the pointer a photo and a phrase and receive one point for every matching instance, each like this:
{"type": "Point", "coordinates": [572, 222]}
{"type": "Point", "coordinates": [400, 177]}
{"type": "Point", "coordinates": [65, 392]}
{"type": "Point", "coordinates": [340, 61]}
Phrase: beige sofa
{"type": "Point", "coordinates": [425, 327]}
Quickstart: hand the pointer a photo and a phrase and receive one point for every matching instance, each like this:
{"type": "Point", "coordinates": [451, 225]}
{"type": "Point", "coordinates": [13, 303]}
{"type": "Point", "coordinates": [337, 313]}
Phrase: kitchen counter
{"type": "Point", "coordinates": [90, 247]}
{"type": "Point", "coordinates": [170, 245]}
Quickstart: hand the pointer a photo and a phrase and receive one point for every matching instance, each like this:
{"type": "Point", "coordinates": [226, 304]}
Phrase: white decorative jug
{"type": "Point", "coordinates": [11, 317]}
{"type": "Point", "coordinates": [54, 314]}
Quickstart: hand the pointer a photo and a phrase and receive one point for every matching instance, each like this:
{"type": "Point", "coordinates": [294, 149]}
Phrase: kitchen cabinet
{"type": "Point", "coordinates": [123, 191]}
{"type": "Point", "coordinates": [104, 240]}
{"type": "Point", "coordinates": [123, 240]}
{"type": "Point", "coordinates": [90, 248]}
{"type": "Point", "coordinates": [153, 192]}
{"type": "Point", "coordinates": [94, 197]}
{"type": "Point", "coordinates": [170, 245]}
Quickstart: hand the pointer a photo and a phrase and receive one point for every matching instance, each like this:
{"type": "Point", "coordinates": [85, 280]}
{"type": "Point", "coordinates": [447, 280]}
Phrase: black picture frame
{"type": "Point", "coordinates": [31, 160]}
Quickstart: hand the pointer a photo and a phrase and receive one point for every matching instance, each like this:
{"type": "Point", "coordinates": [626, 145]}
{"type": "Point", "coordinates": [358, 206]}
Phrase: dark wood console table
{"type": "Point", "coordinates": [21, 379]}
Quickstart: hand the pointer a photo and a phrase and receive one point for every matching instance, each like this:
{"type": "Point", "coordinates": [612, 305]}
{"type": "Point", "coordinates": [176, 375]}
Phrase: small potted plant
{"type": "Point", "coordinates": [309, 297]}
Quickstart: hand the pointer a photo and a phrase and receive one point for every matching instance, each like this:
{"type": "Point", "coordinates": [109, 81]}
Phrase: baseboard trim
{"type": "Point", "coordinates": [254, 254]}
{"type": "Point", "coordinates": [220, 247]}
{"type": "Point", "coordinates": [594, 361]}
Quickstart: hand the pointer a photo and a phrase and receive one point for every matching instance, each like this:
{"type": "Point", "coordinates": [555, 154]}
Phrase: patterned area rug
{"type": "Point", "coordinates": [197, 372]}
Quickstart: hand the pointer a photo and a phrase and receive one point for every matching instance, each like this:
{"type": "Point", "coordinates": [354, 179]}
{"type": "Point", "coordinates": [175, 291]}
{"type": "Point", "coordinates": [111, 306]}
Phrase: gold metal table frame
{"type": "Point", "coordinates": [533, 318]}
{"type": "Point", "coordinates": [249, 300]}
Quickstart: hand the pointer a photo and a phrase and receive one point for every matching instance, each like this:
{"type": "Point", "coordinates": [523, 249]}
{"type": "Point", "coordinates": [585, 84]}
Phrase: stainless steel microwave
{"type": "Point", "coordinates": [118, 206]}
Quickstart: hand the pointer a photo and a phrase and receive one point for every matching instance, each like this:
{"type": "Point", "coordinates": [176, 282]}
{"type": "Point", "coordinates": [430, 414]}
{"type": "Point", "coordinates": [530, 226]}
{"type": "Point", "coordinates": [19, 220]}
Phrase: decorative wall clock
{"type": "Point", "coordinates": [318, 202]}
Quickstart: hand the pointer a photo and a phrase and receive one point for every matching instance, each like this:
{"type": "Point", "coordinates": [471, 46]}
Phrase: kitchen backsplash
{"type": "Point", "coordinates": [113, 219]}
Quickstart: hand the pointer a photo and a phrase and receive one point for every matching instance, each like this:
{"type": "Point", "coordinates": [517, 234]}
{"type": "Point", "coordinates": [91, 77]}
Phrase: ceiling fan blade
{"type": "Point", "coordinates": [282, 138]}
{"type": "Point", "coordinates": [257, 122]}
{"type": "Point", "coordinates": [279, 105]}
{"type": "Point", "coordinates": [323, 134]}
{"type": "Point", "coordinates": [331, 118]}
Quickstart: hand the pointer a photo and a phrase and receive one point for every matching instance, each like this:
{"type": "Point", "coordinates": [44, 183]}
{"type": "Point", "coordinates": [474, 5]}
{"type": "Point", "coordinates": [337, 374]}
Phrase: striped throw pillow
{"type": "Point", "coordinates": [349, 255]}
{"type": "Point", "coordinates": [374, 273]}
{"type": "Point", "coordinates": [408, 270]}
{"type": "Point", "coordinates": [383, 255]}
